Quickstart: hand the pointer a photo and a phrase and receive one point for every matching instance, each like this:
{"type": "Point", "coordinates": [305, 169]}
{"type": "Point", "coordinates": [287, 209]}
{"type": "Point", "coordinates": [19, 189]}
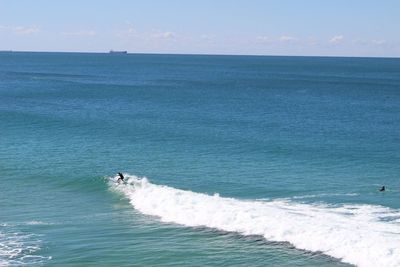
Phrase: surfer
{"type": "Point", "coordinates": [383, 188]}
{"type": "Point", "coordinates": [121, 177]}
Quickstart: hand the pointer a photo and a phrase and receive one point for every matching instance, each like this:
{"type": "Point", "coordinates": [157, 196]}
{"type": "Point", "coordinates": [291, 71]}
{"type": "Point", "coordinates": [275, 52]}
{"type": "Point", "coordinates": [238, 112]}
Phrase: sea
{"type": "Point", "coordinates": [228, 160]}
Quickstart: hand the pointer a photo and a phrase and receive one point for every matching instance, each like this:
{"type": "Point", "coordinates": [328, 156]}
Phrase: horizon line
{"type": "Point", "coordinates": [196, 54]}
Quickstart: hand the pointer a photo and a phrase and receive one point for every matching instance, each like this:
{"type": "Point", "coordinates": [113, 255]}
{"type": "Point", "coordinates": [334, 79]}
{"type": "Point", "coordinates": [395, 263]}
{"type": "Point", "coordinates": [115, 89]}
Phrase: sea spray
{"type": "Point", "coordinates": [364, 235]}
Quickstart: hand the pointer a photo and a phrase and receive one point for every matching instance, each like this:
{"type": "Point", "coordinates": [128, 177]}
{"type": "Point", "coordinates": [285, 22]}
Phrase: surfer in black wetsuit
{"type": "Point", "coordinates": [382, 189]}
{"type": "Point", "coordinates": [121, 177]}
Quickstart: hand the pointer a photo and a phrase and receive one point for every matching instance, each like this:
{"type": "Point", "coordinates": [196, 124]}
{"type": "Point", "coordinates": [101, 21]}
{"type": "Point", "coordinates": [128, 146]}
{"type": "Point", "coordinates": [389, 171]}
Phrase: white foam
{"type": "Point", "coordinates": [362, 235]}
{"type": "Point", "coordinates": [325, 195]}
{"type": "Point", "coordinates": [34, 222]}
{"type": "Point", "coordinates": [18, 249]}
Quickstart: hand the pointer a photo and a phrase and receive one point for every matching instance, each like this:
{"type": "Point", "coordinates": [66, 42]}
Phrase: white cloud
{"type": "Point", "coordinates": [378, 42]}
{"type": "Point", "coordinates": [336, 39]}
{"type": "Point", "coordinates": [27, 30]}
{"type": "Point", "coordinates": [264, 39]}
{"type": "Point", "coordinates": [165, 35]}
{"type": "Point", "coordinates": [129, 32]}
{"type": "Point", "coordinates": [207, 37]}
{"type": "Point", "coordinates": [20, 30]}
{"type": "Point", "coordinates": [374, 42]}
{"type": "Point", "coordinates": [276, 40]}
{"type": "Point", "coordinates": [80, 33]}
{"type": "Point", "coordinates": [285, 38]}
{"type": "Point", "coordinates": [312, 41]}
{"type": "Point", "coordinates": [360, 42]}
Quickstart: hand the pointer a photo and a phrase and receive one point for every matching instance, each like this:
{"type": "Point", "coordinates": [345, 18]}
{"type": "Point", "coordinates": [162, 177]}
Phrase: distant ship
{"type": "Point", "coordinates": [118, 52]}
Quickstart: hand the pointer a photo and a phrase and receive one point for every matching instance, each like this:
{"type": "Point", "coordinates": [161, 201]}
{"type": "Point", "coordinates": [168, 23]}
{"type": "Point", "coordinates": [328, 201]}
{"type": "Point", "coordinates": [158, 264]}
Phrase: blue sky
{"type": "Point", "coordinates": [260, 27]}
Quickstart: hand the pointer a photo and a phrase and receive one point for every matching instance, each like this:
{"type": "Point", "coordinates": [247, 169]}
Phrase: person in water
{"type": "Point", "coordinates": [121, 177]}
{"type": "Point", "coordinates": [383, 188]}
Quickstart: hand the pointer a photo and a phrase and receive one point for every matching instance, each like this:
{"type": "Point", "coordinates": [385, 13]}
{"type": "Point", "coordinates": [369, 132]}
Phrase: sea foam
{"type": "Point", "coordinates": [18, 249]}
{"type": "Point", "coordinates": [363, 235]}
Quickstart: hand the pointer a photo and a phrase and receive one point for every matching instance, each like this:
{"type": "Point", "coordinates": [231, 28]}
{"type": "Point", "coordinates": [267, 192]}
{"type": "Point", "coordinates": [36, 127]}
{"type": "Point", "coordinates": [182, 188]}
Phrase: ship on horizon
{"type": "Point", "coordinates": [118, 52]}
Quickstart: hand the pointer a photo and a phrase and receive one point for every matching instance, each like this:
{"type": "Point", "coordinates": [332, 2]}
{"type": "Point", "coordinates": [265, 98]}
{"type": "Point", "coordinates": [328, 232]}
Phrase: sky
{"type": "Point", "coordinates": [249, 27]}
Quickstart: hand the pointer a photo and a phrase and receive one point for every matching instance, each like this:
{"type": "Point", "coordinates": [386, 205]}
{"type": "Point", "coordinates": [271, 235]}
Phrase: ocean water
{"type": "Point", "coordinates": [229, 160]}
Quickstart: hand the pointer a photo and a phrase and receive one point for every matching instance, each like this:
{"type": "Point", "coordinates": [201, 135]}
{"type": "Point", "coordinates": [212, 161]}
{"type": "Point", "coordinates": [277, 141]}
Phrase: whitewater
{"type": "Point", "coordinates": [18, 249]}
{"type": "Point", "coordinates": [363, 235]}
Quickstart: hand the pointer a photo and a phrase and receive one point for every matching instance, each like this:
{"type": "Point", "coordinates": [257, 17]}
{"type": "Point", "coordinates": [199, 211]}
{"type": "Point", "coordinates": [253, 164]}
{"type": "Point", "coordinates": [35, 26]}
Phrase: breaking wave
{"type": "Point", "coordinates": [363, 235]}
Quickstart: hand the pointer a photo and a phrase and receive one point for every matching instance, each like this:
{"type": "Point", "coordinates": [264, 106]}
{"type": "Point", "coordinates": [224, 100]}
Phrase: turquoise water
{"type": "Point", "coordinates": [250, 161]}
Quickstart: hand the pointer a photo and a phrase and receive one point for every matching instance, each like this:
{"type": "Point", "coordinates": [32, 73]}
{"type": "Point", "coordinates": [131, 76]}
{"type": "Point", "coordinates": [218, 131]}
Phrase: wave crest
{"type": "Point", "coordinates": [364, 235]}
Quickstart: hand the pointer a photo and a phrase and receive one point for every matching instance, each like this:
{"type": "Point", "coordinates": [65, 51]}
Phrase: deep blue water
{"type": "Point", "coordinates": [312, 130]}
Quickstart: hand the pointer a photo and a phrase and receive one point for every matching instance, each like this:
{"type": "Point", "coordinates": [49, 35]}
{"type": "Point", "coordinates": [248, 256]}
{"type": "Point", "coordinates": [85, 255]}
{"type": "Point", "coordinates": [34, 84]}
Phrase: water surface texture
{"type": "Point", "coordinates": [230, 160]}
